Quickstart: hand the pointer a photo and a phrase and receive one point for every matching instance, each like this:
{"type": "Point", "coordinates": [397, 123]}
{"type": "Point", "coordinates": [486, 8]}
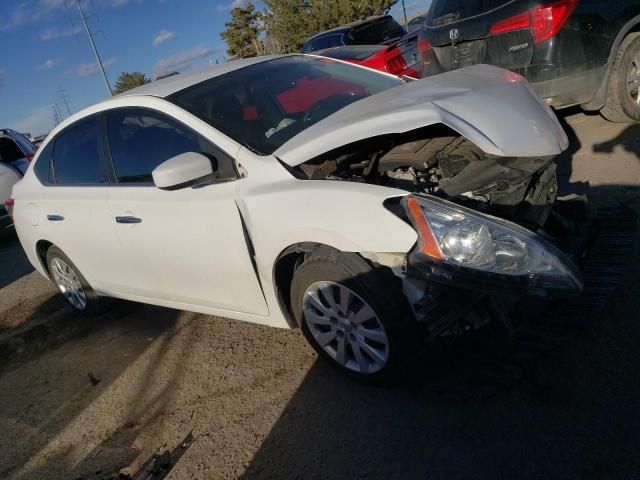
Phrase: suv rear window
{"type": "Point", "coordinates": [447, 11]}
{"type": "Point", "coordinates": [9, 151]}
{"type": "Point", "coordinates": [377, 32]}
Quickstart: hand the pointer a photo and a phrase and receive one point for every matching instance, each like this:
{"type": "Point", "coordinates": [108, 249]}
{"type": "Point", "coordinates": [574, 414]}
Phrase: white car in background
{"type": "Point", "coordinates": [303, 191]}
{"type": "Point", "coordinates": [16, 151]}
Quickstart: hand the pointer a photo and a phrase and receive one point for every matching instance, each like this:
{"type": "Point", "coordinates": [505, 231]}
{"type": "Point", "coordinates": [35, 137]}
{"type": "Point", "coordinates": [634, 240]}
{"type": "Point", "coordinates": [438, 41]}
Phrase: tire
{"type": "Point", "coordinates": [72, 284]}
{"type": "Point", "coordinates": [623, 105]}
{"type": "Point", "coordinates": [377, 329]}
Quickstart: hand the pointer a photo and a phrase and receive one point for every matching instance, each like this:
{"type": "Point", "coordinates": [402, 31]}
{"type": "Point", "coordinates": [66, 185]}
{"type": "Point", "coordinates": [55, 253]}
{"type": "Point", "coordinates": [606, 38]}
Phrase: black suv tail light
{"type": "Point", "coordinates": [544, 22]}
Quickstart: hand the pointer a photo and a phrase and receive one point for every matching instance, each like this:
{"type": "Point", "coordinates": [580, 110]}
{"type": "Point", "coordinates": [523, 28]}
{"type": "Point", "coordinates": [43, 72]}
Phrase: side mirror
{"type": "Point", "coordinates": [181, 171]}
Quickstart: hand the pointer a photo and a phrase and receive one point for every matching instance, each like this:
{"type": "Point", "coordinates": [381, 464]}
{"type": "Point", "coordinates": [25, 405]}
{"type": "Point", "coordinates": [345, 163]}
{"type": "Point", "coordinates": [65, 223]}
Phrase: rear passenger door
{"type": "Point", "coordinates": [73, 205]}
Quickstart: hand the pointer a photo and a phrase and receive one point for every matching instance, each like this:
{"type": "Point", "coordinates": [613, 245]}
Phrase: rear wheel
{"type": "Point", "coordinates": [355, 316]}
{"type": "Point", "coordinates": [71, 283]}
{"type": "Point", "coordinates": [623, 95]}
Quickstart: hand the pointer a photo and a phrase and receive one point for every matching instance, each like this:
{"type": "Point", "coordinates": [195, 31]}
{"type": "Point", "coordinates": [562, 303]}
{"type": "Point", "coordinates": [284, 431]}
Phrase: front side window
{"type": "Point", "coordinates": [264, 105]}
{"type": "Point", "coordinates": [141, 139]}
{"type": "Point", "coordinates": [76, 155]}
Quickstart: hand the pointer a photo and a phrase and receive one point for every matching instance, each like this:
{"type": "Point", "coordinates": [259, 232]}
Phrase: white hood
{"type": "Point", "coordinates": [494, 108]}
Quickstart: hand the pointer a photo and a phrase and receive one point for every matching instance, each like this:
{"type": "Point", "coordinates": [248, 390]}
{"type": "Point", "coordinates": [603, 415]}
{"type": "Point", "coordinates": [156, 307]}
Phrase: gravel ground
{"type": "Point", "coordinates": [87, 398]}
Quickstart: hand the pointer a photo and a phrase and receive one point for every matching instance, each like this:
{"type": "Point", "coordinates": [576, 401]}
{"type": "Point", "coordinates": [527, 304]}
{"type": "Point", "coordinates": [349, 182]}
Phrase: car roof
{"type": "Point", "coordinates": [348, 26]}
{"type": "Point", "coordinates": [170, 85]}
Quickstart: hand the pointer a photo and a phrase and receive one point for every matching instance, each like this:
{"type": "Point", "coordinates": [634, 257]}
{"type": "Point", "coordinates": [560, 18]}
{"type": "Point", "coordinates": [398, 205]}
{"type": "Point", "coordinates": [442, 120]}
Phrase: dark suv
{"type": "Point", "coordinates": [573, 52]}
{"type": "Point", "coordinates": [372, 31]}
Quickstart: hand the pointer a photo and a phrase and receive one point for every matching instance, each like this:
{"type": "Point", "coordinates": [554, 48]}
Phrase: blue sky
{"type": "Point", "coordinates": [44, 49]}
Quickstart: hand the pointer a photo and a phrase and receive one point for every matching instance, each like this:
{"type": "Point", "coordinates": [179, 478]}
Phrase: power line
{"type": "Point", "coordinates": [90, 34]}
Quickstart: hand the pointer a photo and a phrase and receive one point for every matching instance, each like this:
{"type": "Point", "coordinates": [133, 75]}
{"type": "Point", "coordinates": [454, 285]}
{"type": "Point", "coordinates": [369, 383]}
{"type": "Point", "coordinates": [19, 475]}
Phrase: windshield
{"type": "Point", "coordinates": [264, 105]}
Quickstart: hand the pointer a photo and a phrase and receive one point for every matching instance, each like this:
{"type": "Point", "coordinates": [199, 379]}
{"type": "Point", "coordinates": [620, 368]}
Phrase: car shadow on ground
{"type": "Point", "coordinates": [42, 393]}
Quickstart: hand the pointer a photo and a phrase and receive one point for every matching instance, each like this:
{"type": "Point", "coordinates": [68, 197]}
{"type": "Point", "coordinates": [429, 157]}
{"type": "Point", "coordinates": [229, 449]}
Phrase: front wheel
{"type": "Point", "coordinates": [72, 284]}
{"type": "Point", "coordinates": [356, 317]}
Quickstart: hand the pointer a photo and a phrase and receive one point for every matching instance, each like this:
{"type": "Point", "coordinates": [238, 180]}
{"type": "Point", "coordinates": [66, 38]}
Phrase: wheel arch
{"type": "Point", "coordinates": [600, 98]}
{"type": "Point", "coordinates": [284, 268]}
{"type": "Point", "coordinates": [42, 246]}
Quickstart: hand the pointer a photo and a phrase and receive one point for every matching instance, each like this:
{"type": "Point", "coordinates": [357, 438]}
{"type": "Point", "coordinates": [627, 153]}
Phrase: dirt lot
{"type": "Point", "coordinates": [261, 405]}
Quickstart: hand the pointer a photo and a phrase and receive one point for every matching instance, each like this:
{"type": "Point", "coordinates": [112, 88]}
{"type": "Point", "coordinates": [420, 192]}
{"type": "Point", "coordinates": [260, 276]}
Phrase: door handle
{"type": "Point", "coordinates": [55, 218]}
{"type": "Point", "coordinates": [128, 219]}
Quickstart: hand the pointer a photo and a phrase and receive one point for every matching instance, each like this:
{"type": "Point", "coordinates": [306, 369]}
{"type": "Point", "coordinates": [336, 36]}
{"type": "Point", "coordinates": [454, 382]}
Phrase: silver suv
{"type": "Point", "coordinates": [15, 154]}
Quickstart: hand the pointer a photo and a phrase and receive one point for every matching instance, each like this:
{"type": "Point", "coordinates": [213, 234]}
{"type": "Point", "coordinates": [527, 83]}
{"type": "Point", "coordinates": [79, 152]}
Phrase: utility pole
{"type": "Point", "coordinates": [404, 11]}
{"type": "Point", "coordinates": [93, 46]}
{"type": "Point", "coordinates": [64, 99]}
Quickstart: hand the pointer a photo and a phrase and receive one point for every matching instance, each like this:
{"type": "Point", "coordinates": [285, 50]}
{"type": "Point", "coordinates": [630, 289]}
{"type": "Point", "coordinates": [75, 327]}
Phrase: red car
{"type": "Point", "coordinates": [400, 58]}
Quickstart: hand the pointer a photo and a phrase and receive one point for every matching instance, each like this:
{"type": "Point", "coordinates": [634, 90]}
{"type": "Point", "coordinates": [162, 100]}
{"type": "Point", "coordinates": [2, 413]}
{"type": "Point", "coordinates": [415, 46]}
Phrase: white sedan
{"type": "Point", "coordinates": [299, 191]}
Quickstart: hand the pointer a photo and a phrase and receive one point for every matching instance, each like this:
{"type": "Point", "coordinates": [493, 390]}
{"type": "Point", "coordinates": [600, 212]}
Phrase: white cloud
{"type": "Point", "coordinates": [49, 64]}
{"type": "Point", "coordinates": [222, 7]}
{"type": "Point", "coordinates": [21, 14]}
{"type": "Point", "coordinates": [53, 33]}
{"type": "Point", "coordinates": [86, 69]}
{"type": "Point", "coordinates": [53, 4]}
{"type": "Point", "coordinates": [31, 11]}
{"type": "Point", "coordinates": [37, 122]}
{"type": "Point", "coordinates": [163, 36]}
{"type": "Point", "coordinates": [182, 60]}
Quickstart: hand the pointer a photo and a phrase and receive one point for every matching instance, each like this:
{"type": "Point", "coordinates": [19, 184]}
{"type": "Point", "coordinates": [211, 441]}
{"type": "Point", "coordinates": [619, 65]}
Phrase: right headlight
{"type": "Point", "coordinates": [461, 246]}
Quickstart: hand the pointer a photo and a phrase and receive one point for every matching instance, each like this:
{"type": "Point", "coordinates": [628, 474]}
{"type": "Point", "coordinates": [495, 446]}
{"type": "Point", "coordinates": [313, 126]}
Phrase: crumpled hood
{"type": "Point", "coordinates": [494, 108]}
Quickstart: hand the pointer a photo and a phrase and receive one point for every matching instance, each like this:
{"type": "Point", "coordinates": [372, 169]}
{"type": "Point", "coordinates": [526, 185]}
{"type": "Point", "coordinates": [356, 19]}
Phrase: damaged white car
{"type": "Point", "coordinates": [299, 191]}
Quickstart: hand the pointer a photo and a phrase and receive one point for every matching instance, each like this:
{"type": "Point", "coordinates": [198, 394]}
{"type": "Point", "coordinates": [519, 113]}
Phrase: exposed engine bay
{"type": "Point", "coordinates": [438, 161]}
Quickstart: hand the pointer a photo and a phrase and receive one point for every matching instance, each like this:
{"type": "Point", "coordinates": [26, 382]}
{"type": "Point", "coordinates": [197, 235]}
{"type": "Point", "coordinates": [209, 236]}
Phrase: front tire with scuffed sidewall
{"type": "Point", "coordinates": [381, 291]}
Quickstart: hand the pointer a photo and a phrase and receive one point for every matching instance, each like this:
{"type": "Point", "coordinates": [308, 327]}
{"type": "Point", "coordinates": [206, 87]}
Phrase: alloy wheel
{"type": "Point", "coordinates": [633, 80]}
{"type": "Point", "coordinates": [346, 327]}
{"type": "Point", "coordinates": [68, 283]}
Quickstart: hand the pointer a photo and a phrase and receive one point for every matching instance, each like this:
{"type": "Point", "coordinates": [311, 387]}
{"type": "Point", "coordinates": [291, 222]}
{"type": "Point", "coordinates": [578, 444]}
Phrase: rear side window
{"type": "Point", "coordinates": [9, 151]}
{"type": "Point", "coordinates": [76, 155]}
{"type": "Point", "coordinates": [141, 139]}
{"type": "Point", "coordinates": [42, 168]}
{"type": "Point", "coordinates": [447, 11]}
